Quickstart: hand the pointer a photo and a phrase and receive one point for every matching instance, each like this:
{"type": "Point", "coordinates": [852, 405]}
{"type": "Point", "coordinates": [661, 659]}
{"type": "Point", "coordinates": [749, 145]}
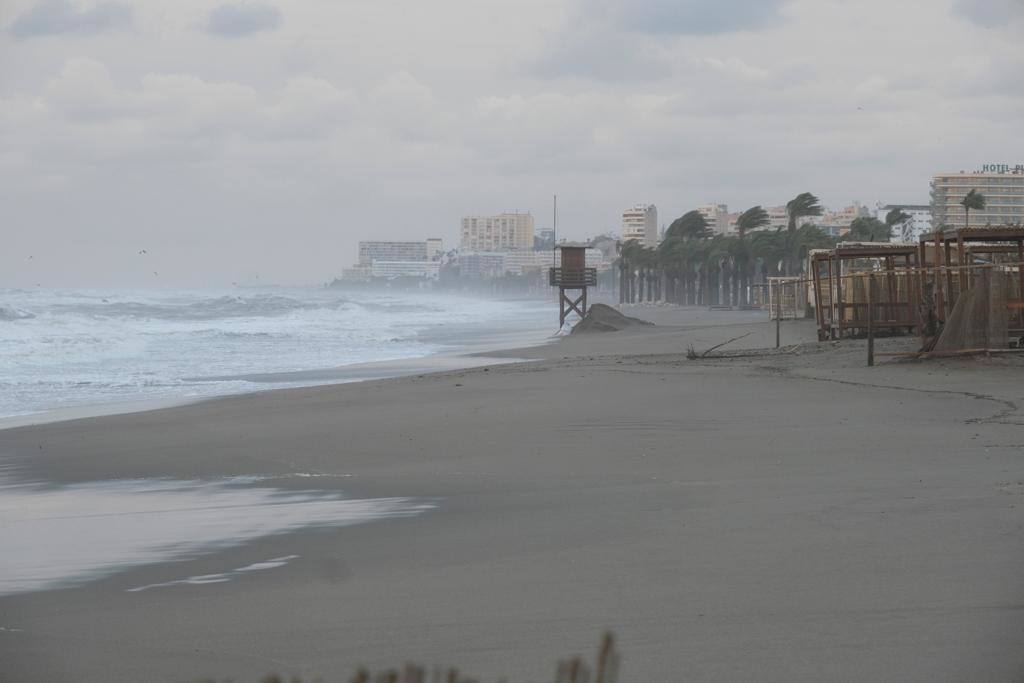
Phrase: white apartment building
{"type": "Point", "coordinates": [397, 251]}
{"type": "Point", "coordinates": [717, 217]}
{"type": "Point", "coordinates": [778, 216]}
{"type": "Point", "coordinates": [498, 263]}
{"type": "Point", "coordinates": [640, 222]}
{"type": "Point", "coordinates": [1002, 185]}
{"type": "Point", "coordinates": [497, 233]}
{"type": "Point", "coordinates": [435, 248]}
{"type": "Point", "coordinates": [831, 222]}
{"type": "Point", "coordinates": [920, 222]}
{"type": "Point", "coordinates": [392, 269]}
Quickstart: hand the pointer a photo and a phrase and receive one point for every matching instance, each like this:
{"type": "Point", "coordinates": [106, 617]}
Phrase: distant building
{"type": "Point", "coordinates": [837, 223]}
{"type": "Point", "coordinates": [733, 219]}
{"type": "Point", "coordinates": [435, 248]}
{"type": "Point", "coordinates": [356, 272]}
{"type": "Point", "coordinates": [920, 222]}
{"type": "Point", "coordinates": [392, 251]}
{"type": "Point", "coordinates": [1002, 185]}
{"type": "Point", "coordinates": [778, 217]}
{"type": "Point", "coordinates": [392, 269]}
{"type": "Point", "coordinates": [477, 265]}
{"type": "Point", "coordinates": [497, 233]}
{"type": "Point", "coordinates": [519, 262]}
{"type": "Point", "coordinates": [640, 223]}
{"type": "Point", "coordinates": [496, 264]}
{"type": "Point", "coordinates": [717, 217]}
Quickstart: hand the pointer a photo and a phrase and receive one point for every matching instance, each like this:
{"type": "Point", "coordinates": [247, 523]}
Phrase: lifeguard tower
{"type": "Point", "coordinates": [572, 276]}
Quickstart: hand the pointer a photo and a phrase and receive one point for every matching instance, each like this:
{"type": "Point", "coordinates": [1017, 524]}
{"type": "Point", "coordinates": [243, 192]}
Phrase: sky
{"type": "Point", "coordinates": [260, 140]}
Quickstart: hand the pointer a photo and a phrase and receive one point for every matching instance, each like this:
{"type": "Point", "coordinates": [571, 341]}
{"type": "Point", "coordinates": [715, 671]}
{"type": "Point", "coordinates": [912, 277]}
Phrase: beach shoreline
{"type": "Point", "coordinates": [788, 515]}
{"type": "Point", "coordinates": [491, 347]}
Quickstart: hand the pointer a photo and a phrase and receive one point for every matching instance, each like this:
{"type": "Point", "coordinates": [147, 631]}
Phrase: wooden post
{"type": "Point", "coordinates": [950, 299]}
{"type": "Point", "coordinates": [940, 306]}
{"type": "Point", "coordinates": [831, 298]}
{"type": "Point", "coordinates": [819, 313]}
{"type": "Point", "coordinates": [961, 256]}
{"type": "Point", "coordinates": [840, 307]}
{"type": "Point", "coordinates": [871, 319]}
{"type": "Point", "coordinates": [778, 311]}
{"type": "Point", "coordinates": [1020, 279]}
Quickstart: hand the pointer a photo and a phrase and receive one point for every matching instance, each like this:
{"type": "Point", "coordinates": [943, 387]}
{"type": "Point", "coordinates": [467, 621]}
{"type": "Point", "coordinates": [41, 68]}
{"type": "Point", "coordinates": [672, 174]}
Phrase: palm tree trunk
{"type": "Point", "coordinates": [622, 283]}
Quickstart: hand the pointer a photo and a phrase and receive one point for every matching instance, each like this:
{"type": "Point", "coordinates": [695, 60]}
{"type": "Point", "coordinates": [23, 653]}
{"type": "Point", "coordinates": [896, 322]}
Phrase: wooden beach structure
{"type": "Point", "coordinates": [572, 276]}
{"type": "Point", "coordinates": [787, 298]}
{"type": "Point", "coordinates": [956, 260]}
{"type": "Point", "coordinates": [860, 283]}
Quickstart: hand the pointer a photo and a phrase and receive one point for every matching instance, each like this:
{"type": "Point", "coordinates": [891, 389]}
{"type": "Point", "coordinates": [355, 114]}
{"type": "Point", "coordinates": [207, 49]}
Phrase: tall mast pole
{"type": "Point", "coordinates": [554, 231]}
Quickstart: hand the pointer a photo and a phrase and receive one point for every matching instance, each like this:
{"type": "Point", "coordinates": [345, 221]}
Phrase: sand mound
{"type": "Point", "coordinates": [602, 318]}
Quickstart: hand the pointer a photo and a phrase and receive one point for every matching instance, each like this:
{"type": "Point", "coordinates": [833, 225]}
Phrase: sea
{"type": "Point", "coordinates": [61, 350]}
{"type": "Point", "coordinates": [69, 348]}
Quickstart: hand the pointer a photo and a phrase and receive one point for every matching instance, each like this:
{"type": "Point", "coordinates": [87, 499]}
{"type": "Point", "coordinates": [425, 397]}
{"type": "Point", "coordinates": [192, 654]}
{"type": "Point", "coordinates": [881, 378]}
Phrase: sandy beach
{"type": "Point", "coordinates": [780, 516]}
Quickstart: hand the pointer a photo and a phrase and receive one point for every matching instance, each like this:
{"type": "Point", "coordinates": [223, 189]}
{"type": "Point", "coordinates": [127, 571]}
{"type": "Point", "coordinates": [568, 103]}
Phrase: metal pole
{"type": "Point", "coordinates": [871, 320]}
{"type": "Point", "coordinates": [778, 310]}
{"type": "Point", "coordinates": [554, 232]}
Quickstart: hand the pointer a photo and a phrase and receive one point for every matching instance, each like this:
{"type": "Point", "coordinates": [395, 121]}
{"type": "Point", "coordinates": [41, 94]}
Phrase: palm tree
{"type": "Point", "coordinates": [811, 237]}
{"type": "Point", "coordinates": [769, 247]}
{"type": "Point", "coordinates": [682, 248]}
{"type": "Point", "coordinates": [897, 217]}
{"type": "Point", "coordinates": [629, 255]}
{"type": "Point", "coordinates": [972, 200]}
{"type": "Point", "coordinates": [691, 225]}
{"type": "Point", "coordinates": [868, 229]}
{"type": "Point", "coordinates": [803, 205]}
{"type": "Point", "coordinates": [718, 267]}
{"type": "Point", "coordinates": [753, 218]}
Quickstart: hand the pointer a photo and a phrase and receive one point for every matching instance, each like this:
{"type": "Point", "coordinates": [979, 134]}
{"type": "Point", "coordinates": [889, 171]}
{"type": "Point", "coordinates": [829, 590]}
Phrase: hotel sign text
{"type": "Point", "coordinates": [1002, 168]}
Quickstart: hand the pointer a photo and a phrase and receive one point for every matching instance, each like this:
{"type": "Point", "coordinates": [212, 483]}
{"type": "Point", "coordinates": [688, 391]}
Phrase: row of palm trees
{"type": "Point", "coordinates": [693, 266]}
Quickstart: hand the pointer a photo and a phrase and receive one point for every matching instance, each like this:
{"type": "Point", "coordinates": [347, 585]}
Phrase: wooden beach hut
{"type": "Point", "coordinates": [953, 261]}
{"type": "Point", "coordinates": [858, 279]}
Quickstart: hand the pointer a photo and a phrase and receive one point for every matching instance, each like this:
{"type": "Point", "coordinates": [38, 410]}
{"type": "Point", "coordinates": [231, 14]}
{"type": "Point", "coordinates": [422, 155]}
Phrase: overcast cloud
{"type": "Point", "coordinates": [238, 19]}
{"type": "Point", "coordinates": [53, 17]}
{"type": "Point", "coordinates": [141, 126]}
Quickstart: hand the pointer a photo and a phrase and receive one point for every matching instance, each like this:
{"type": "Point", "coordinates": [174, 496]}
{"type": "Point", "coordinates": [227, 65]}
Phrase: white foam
{"type": "Point", "coordinates": [61, 349]}
{"type": "Point", "coordinates": [203, 579]}
{"type": "Point", "coordinates": [56, 536]}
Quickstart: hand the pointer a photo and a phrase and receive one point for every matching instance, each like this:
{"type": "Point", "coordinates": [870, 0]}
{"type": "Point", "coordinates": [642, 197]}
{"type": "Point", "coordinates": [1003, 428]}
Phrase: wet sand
{"type": "Point", "coordinates": [784, 516]}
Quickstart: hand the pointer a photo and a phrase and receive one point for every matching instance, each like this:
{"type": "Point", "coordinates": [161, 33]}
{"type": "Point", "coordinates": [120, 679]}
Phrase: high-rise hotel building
{"type": "Point", "coordinates": [640, 223]}
{"type": "Point", "coordinates": [497, 233]}
{"type": "Point", "coordinates": [1003, 187]}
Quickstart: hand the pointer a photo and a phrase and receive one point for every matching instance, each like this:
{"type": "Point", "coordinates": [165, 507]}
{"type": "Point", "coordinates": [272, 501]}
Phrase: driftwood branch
{"type": "Point", "coordinates": [692, 354]}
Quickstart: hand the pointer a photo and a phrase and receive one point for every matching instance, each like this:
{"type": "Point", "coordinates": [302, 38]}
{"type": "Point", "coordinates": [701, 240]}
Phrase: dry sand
{"type": "Point", "coordinates": [788, 516]}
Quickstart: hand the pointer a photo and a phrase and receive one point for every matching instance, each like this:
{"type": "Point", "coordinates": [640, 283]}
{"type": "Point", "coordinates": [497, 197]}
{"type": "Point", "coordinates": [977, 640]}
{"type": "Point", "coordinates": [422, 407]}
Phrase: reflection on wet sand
{"type": "Point", "coordinates": [57, 536]}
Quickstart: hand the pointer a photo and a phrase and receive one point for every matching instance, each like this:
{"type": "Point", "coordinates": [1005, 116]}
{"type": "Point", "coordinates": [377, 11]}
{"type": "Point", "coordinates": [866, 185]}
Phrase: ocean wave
{"type": "Point", "coordinates": [227, 307]}
{"type": "Point", "coordinates": [397, 307]}
{"type": "Point", "coordinates": [11, 313]}
{"type": "Point", "coordinates": [215, 308]}
{"type": "Point", "coordinates": [95, 346]}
